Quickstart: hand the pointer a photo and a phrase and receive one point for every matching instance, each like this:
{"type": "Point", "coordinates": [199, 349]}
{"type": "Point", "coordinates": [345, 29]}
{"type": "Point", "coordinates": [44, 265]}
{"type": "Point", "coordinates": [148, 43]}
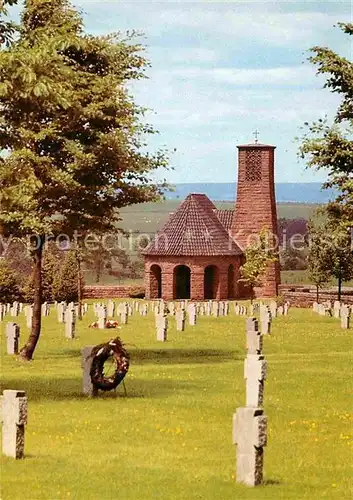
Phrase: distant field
{"type": "Point", "coordinates": [295, 277]}
{"type": "Point", "coordinates": [301, 277]}
{"type": "Point", "coordinates": [149, 217]}
{"type": "Point", "coordinates": [109, 280]}
{"type": "Point", "coordinates": [296, 210]}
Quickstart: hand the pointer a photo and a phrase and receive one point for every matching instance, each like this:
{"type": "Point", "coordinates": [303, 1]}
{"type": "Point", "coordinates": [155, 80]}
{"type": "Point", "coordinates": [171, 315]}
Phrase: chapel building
{"type": "Point", "coordinates": [198, 252]}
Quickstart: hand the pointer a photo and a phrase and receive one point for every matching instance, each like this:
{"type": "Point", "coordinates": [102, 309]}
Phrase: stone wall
{"type": "Point", "coordinates": [305, 296]}
{"type": "Point", "coordinates": [298, 296]}
{"type": "Point", "coordinates": [110, 292]}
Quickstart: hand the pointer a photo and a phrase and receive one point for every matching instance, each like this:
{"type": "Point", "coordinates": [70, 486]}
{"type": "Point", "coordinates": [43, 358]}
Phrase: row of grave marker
{"type": "Point", "coordinates": [212, 307]}
{"type": "Point", "coordinates": [67, 314]}
{"type": "Point", "coordinates": [249, 422]}
{"type": "Point", "coordinates": [336, 310]}
{"type": "Point", "coordinates": [180, 316]}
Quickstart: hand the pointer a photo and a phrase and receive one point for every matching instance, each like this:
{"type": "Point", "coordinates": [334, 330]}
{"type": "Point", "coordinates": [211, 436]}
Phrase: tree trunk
{"type": "Point", "coordinates": [79, 286]}
{"type": "Point", "coordinates": [317, 293]}
{"type": "Point", "coordinates": [339, 287]}
{"type": "Point", "coordinates": [98, 272]}
{"type": "Point", "coordinates": [29, 348]}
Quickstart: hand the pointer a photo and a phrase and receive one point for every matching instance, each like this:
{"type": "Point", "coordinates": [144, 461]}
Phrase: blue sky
{"type": "Point", "coordinates": [222, 69]}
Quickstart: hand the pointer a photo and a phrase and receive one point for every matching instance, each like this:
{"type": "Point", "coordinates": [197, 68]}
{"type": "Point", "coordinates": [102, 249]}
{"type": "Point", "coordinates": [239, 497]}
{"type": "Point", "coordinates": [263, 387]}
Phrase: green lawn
{"type": "Point", "coordinates": [301, 278]}
{"type": "Point", "coordinates": [171, 437]}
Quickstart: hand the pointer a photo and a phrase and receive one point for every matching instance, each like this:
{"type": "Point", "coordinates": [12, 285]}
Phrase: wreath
{"type": "Point", "coordinates": [113, 356]}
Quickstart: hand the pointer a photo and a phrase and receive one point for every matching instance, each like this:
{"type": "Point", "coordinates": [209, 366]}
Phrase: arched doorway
{"type": "Point", "coordinates": [182, 287]}
{"type": "Point", "coordinates": [211, 282]}
{"type": "Point", "coordinates": [155, 282]}
{"type": "Point", "coordinates": [231, 276]}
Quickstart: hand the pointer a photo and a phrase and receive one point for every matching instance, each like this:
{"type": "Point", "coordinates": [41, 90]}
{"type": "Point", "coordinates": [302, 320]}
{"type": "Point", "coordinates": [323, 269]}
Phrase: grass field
{"type": "Point", "coordinates": [149, 217]}
{"type": "Point", "coordinates": [301, 277]}
{"type": "Point", "coordinates": [171, 437]}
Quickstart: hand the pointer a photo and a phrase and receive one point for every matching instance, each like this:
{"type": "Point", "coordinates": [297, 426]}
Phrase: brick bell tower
{"type": "Point", "coordinates": [256, 205]}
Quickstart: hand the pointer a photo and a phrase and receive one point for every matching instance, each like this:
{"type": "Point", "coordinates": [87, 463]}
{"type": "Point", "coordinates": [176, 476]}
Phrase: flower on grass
{"type": "Point", "coordinates": [342, 436]}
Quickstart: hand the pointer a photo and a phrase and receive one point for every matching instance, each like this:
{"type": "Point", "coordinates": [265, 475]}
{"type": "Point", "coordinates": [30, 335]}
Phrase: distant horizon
{"type": "Point", "coordinates": [234, 182]}
{"type": "Point", "coordinates": [286, 192]}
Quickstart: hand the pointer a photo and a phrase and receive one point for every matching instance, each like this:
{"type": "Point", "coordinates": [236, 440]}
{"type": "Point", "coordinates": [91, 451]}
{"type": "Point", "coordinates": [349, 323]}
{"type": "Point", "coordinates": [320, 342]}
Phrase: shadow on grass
{"type": "Point", "coordinates": [183, 356]}
{"type": "Point", "coordinates": [65, 389]}
{"type": "Point", "coordinates": [64, 353]}
{"type": "Point", "coordinates": [177, 356]}
{"type": "Point", "coordinates": [271, 482]}
{"type": "Point", "coordinates": [167, 356]}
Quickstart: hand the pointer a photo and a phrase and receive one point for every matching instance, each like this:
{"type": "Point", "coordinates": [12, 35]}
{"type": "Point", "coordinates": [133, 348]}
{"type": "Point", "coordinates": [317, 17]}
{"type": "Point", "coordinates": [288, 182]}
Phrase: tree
{"type": "Point", "coordinates": [292, 259]}
{"type": "Point", "coordinates": [330, 146]}
{"type": "Point", "coordinates": [65, 283]}
{"type": "Point", "coordinates": [52, 260]}
{"type": "Point", "coordinates": [318, 258]}
{"type": "Point", "coordinates": [9, 289]}
{"type": "Point", "coordinates": [102, 253]}
{"type": "Point", "coordinates": [258, 257]}
{"type": "Point", "coordinates": [74, 137]}
{"type": "Point", "coordinates": [7, 28]}
{"type": "Point", "coordinates": [330, 252]}
{"type": "Point", "coordinates": [340, 253]}
{"type": "Point", "coordinates": [79, 279]}
{"type": "Point", "coordinates": [17, 257]}
{"type": "Point", "coordinates": [51, 267]}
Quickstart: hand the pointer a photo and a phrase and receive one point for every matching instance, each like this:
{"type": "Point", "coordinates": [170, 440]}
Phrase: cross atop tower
{"type": "Point", "coordinates": [256, 135]}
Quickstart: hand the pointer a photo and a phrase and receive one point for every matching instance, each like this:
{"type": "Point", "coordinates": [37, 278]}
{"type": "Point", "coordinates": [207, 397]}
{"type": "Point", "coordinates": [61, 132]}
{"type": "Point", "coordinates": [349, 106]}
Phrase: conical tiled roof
{"type": "Point", "coordinates": [193, 230]}
{"type": "Point", "coordinates": [225, 217]}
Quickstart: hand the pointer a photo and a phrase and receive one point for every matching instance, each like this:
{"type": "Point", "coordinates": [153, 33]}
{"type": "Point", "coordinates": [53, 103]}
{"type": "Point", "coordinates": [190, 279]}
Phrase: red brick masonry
{"type": "Point", "coordinates": [255, 207]}
{"type": "Point", "coordinates": [222, 284]}
{"type": "Point", "coordinates": [199, 250]}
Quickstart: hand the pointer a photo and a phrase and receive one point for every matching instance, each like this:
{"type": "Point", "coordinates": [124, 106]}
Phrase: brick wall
{"type": "Point", "coordinates": [197, 265]}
